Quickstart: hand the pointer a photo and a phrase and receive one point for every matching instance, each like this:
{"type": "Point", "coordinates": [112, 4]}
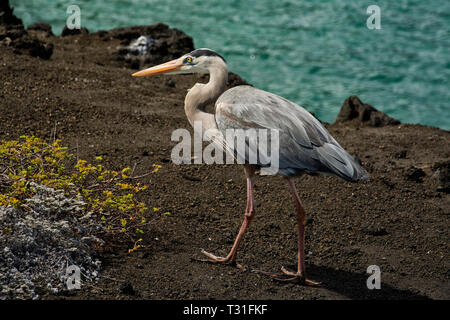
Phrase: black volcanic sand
{"type": "Point", "coordinates": [398, 220]}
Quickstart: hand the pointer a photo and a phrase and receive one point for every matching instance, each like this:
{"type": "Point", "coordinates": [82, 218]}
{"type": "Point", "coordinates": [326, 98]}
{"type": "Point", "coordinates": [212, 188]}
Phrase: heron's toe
{"type": "Point", "coordinates": [211, 258]}
{"type": "Point", "coordinates": [290, 276]}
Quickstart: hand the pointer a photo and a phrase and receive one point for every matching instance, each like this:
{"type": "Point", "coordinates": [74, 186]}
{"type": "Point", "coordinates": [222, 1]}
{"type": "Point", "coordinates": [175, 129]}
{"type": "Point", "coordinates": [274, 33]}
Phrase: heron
{"type": "Point", "coordinates": [305, 145]}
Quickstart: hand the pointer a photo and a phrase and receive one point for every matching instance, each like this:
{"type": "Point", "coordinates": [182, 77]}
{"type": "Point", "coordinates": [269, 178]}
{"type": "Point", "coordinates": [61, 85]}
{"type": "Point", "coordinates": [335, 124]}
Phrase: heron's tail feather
{"type": "Point", "coordinates": [340, 163]}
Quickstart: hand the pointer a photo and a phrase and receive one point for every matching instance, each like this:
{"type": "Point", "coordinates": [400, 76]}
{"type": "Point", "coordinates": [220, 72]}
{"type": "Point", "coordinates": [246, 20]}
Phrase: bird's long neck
{"type": "Point", "coordinates": [200, 95]}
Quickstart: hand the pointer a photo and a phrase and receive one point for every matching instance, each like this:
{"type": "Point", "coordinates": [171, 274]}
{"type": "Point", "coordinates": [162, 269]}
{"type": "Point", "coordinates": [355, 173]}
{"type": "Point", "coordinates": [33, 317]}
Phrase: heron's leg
{"type": "Point", "coordinates": [248, 218]}
{"type": "Point", "coordinates": [299, 276]}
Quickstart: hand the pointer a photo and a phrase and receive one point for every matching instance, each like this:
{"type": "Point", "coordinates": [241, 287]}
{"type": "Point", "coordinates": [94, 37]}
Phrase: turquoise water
{"type": "Point", "coordinates": [315, 53]}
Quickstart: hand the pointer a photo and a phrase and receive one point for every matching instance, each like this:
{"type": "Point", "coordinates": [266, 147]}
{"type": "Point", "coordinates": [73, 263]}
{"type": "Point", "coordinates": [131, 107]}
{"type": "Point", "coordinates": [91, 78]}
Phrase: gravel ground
{"type": "Point", "coordinates": [39, 243]}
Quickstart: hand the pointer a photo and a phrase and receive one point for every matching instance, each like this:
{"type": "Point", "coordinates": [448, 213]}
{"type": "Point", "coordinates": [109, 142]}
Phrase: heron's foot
{"type": "Point", "coordinates": [290, 276]}
{"type": "Point", "coordinates": [222, 260]}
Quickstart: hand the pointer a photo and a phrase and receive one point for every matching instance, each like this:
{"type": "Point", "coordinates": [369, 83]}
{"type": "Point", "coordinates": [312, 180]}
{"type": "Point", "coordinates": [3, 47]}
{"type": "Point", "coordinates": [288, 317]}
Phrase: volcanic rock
{"type": "Point", "coordinates": [7, 16]}
{"type": "Point", "coordinates": [443, 175]}
{"type": "Point", "coordinates": [70, 32]}
{"type": "Point", "coordinates": [149, 45]}
{"type": "Point", "coordinates": [13, 34]}
{"type": "Point", "coordinates": [40, 28]}
{"type": "Point", "coordinates": [354, 108]}
{"type": "Point", "coordinates": [415, 174]}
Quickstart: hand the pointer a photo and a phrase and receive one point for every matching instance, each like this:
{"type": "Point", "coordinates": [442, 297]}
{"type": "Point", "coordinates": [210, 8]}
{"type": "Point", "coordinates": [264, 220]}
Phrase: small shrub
{"type": "Point", "coordinates": [111, 195]}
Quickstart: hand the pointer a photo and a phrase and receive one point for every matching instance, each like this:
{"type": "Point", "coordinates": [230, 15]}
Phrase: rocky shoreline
{"type": "Point", "coordinates": [77, 87]}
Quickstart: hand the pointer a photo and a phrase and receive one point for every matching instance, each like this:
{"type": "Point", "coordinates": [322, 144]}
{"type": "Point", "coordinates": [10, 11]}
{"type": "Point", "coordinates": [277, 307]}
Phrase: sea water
{"type": "Point", "coordinates": [315, 53]}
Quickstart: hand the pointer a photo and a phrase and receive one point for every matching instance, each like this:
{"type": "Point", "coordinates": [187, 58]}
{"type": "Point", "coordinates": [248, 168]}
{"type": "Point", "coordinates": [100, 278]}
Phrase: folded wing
{"type": "Point", "coordinates": [304, 143]}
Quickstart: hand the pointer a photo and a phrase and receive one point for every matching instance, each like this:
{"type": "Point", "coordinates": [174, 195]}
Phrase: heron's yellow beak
{"type": "Point", "coordinates": [167, 67]}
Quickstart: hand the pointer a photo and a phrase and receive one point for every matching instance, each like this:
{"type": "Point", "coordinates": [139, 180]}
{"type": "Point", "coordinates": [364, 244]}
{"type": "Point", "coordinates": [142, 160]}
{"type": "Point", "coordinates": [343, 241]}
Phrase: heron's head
{"type": "Point", "coordinates": [197, 61]}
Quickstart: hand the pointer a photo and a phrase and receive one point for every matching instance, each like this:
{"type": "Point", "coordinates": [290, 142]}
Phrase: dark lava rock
{"type": "Point", "coordinates": [373, 230]}
{"type": "Point", "coordinates": [274, 226]}
{"type": "Point", "coordinates": [415, 174]}
{"type": "Point", "coordinates": [13, 34]}
{"type": "Point", "coordinates": [34, 47]}
{"type": "Point", "coordinates": [401, 155]}
{"type": "Point", "coordinates": [127, 288]}
{"type": "Point", "coordinates": [12, 31]}
{"type": "Point", "coordinates": [41, 50]}
{"type": "Point", "coordinates": [443, 174]}
{"type": "Point", "coordinates": [353, 108]}
{"type": "Point", "coordinates": [190, 178]}
{"type": "Point", "coordinates": [70, 32]}
{"type": "Point", "coordinates": [235, 80]}
{"type": "Point", "coordinates": [167, 44]}
{"type": "Point", "coordinates": [170, 83]}
{"type": "Point", "coordinates": [23, 43]}
{"type": "Point", "coordinates": [7, 16]}
{"type": "Point", "coordinates": [41, 27]}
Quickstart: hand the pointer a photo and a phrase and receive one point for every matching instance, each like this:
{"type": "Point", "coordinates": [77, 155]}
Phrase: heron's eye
{"type": "Point", "coordinates": [188, 60]}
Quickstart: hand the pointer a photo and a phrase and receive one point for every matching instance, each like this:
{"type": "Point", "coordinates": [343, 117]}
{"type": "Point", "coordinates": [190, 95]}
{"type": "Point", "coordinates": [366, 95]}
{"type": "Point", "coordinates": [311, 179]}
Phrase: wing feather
{"type": "Point", "coordinates": [305, 144]}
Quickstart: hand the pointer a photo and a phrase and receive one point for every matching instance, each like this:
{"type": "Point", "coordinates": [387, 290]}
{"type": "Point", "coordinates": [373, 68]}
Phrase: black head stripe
{"type": "Point", "coordinates": [205, 52]}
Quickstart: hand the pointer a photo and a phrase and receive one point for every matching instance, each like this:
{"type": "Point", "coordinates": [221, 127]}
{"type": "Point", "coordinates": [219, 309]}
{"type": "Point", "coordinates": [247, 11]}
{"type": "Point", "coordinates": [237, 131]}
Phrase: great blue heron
{"type": "Point", "coordinates": [305, 146]}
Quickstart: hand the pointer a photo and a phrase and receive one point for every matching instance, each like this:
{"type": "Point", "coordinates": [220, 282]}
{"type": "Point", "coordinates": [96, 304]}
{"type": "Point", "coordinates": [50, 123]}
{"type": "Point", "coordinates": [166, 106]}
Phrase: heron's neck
{"type": "Point", "coordinates": [200, 95]}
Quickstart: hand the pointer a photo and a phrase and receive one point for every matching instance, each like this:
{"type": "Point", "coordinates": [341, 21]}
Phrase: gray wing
{"type": "Point", "coordinates": [304, 143]}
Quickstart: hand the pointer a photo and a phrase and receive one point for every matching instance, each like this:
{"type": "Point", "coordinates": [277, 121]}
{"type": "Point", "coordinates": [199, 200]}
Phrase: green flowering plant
{"type": "Point", "coordinates": [110, 195]}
